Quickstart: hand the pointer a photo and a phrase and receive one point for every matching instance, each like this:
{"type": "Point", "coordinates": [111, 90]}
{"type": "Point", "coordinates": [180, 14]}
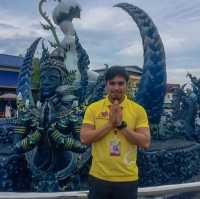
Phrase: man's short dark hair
{"type": "Point", "coordinates": [114, 71]}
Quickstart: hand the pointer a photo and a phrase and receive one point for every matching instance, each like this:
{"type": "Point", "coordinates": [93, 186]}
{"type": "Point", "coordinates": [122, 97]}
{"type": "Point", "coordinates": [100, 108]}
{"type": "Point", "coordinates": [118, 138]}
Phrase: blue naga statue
{"type": "Point", "coordinates": [48, 131]}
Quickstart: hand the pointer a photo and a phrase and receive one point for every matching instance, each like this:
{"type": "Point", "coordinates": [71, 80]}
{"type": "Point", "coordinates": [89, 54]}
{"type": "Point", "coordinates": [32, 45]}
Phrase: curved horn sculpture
{"type": "Point", "coordinates": [24, 79]}
{"type": "Point", "coordinates": [49, 25]}
{"type": "Point", "coordinates": [152, 86]}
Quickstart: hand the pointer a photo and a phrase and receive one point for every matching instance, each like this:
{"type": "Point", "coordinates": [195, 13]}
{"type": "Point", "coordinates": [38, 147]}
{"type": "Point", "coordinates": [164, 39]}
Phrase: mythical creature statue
{"type": "Point", "coordinates": [52, 129]}
{"type": "Point", "coordinates": [181, 121]}
{"type": "Point", "coordinates": [152, 86]}
{"type": "Point", "coordinates": [195, 86]}
{"type": "Point", "coordinates": [76, 58]}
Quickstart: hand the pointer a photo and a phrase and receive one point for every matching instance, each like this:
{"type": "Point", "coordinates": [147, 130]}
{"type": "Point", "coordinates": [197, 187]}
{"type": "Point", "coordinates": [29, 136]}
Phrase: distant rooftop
{"type": "Point", "coordinates": [11, 61]}
{"type": "Point", "coordinates": [171, 87]}
{"type": "Point", "coordinates": [133, 68]}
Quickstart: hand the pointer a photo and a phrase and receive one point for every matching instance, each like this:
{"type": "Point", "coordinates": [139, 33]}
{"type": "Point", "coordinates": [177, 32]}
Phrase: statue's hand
{"type": "Point", "coordinates": [34, 123]}
{"type": "Point", "coordinates": [51, 129]}
{"type": "Point", "coordinates": [78, 147]}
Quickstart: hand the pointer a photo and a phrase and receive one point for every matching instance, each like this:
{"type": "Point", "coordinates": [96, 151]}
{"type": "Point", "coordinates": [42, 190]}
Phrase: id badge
{"type": "Point", "coordinates": [115, 147]}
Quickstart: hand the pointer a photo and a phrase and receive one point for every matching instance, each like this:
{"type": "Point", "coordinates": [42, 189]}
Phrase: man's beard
{"type": "Point", "coordinates": [117, 96]}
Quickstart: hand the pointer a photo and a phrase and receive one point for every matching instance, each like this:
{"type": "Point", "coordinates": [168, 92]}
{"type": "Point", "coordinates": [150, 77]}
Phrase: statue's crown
{"type": "Point", "coordinates": [54, 60]}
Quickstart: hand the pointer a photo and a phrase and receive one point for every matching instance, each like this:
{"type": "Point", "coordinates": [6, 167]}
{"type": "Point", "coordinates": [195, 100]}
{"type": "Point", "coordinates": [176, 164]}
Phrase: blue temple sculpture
{"type": "Point", "coordinates": [40, 148]}
{"type": "Point", "coordinates": [152, 86]}
{"type": "Point", "coordinates": [51, 131]}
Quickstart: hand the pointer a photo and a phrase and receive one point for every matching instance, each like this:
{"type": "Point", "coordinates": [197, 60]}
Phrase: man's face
{"type": "Point", "coordinates": [49, 81]}
{"type": "Point", "coordinates": [116, 87]}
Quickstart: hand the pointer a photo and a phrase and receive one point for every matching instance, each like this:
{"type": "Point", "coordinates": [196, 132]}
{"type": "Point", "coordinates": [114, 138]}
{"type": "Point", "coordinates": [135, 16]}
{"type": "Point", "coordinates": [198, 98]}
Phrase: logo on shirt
{"type": "Point", "coordinates": [103, 115]}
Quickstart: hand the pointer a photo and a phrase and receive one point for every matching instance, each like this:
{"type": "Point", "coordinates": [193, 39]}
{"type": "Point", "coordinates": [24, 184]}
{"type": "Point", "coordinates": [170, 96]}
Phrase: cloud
{"type": "Point", "coordinates": [18, 26]}
{"type": "Point", "coordinates": [133, 50]}
{"type": "Point", "coordinates": [105, 19]}
{"type": "Point", "coordinates": [173, 44]}
{"type": "Point", "coordinates": [110, 35]}
{"type": "Point", "coordinates": [179, 75]}
{"type": "Point", "coordinates": [7, 26]}
{"type": "Point", "coordinates": [2, 51]}
{"type": "Point", "coordinates": [15, 46]}
{"type": "Point", "coordinates": [183, 11]}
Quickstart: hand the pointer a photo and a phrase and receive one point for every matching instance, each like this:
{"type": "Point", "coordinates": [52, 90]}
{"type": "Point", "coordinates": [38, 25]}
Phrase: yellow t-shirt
{"type": "Point", "coordinates": [120, 165]}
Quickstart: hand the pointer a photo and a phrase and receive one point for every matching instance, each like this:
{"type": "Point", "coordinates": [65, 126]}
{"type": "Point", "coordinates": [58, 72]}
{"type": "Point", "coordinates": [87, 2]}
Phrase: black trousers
{"type": "Point", "coordinates": [100, 189]}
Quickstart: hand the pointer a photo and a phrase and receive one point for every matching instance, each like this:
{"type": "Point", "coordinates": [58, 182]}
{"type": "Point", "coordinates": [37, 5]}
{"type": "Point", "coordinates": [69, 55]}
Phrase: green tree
{"type": "Point", "coordinates": [36, 73]}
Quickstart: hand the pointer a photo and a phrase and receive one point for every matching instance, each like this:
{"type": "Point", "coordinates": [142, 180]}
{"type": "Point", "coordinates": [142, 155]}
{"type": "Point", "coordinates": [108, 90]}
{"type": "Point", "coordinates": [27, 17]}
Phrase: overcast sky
{"type": "Point", "coordinates": [110, 36]}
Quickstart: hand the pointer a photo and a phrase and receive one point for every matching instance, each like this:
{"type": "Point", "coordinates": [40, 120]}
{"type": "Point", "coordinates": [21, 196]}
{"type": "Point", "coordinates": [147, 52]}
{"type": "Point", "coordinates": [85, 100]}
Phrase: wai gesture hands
{"type": "Point", "coordinates": [115, 115]}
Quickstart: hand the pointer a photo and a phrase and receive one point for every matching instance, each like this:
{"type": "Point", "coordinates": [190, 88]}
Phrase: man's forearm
{"type": "Point", "coordinates": [139, 139]}
{"type": "Point", "coordinates": [88, 136]}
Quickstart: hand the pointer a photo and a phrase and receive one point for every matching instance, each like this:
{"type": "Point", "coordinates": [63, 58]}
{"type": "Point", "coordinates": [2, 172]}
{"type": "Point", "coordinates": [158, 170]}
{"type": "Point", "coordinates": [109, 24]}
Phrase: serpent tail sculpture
{"type": "Point", "coordinates": [152, 86]}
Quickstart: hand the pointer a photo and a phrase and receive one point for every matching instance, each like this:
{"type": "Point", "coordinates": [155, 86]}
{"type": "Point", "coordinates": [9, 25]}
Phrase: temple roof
{"type": "Point", "coordinates": [9, 68]}
{"type": "Point", "coordinates": [11, 61]}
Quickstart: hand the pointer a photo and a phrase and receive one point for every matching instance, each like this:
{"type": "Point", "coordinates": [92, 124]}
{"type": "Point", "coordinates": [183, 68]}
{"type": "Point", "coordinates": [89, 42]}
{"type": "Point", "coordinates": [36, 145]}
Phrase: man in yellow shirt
{"type": "Point", "coordinates": [115, 126]}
